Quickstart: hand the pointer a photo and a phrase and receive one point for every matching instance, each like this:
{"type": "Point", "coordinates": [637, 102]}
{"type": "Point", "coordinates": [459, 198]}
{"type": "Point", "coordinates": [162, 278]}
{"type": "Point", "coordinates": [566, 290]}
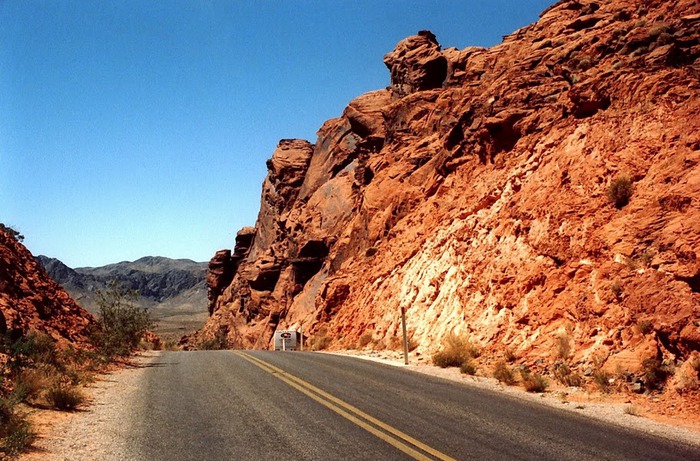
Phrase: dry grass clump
{"type": "Point", "coordinates": [365, 339]}
{"type": "Point", "coordinates": [64, 397]}
{"type": "Point", "coordinates": [655, 374]}
{"type": "Point", "coordinates": [565, 376]}
{"type": "Point", "coordinates": [503, 373]}
{"type": "Point", "coordinates": [320, 340]}
{"type": "Point", "coordinates": [645, 327]}
{"type": "Point", "coordinates": [467, 368]}
{"type": "Point", "coordinates": [563, 346]}
{"type": "Point", "coordinates": [601, 379]}
{"type": "Point", "coordinates": [455, 352]}
{"type": "Point", "coordinates": [620, 191]}
{"type": "Point", "coordinates": [532, 382]}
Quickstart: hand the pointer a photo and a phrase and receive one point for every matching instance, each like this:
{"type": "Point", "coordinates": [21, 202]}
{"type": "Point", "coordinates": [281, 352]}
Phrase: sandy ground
{"type": "Point", "coordinates": [640, 412]}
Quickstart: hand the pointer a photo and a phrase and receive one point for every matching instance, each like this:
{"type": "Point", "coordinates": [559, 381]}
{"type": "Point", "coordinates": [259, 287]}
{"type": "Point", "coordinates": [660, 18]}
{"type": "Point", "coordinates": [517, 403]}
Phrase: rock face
{"type": "Point", "coordinates": [30, 300]}
{"type": "Point", "coordinates": [473, 193]}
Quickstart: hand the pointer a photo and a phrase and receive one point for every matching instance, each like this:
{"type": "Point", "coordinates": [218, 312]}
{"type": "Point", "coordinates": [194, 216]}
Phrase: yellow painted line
{"type": "Point", "coordinates": [345, 410]}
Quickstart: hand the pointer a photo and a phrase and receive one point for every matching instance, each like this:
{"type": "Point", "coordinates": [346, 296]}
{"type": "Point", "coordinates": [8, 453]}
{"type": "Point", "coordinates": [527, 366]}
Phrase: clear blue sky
{"type": "Point", "coordinates": [134, 128]}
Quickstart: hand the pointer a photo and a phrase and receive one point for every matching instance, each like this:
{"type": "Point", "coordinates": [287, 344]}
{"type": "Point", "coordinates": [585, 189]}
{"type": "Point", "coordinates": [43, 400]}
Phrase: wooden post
{"type": "Point", "coordinates": [405, 337]}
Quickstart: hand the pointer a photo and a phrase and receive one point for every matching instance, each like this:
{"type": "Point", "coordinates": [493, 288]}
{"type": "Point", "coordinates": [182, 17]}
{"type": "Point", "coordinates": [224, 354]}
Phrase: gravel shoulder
{"type": "Point", "coordinates": [98, 431]}
{"type": "Point", "coordinates": [613, 408]}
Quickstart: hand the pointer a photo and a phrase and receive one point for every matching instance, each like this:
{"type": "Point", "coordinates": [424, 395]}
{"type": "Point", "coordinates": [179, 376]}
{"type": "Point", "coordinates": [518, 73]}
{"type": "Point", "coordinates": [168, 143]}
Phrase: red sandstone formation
{"type": "Point", "coordinates": [30, 300]}
{"type": "Point", "coordinates": [473, 194]}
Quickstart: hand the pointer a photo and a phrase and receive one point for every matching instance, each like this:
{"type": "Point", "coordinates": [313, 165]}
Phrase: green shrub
{"type": "Point", "coordinates": [532, 382]}
{"type": "Point", "coordinates": [455, 352]}
{"type": "Point", "coordinates": [16, 433]}
{"type": "Point", "coordinates": [64, 397]}
{"type": "Point", "coordinates": [32, 349]}
{"type": "Point", "coordinates": [503, 373]}
{"type": "Point", "coordinates": [620, 191]}
{"type": "Point", "coordinates": [121, 324]}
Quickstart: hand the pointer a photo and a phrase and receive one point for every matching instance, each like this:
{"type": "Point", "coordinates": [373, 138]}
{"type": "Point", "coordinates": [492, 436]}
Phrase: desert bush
{"type": "Point", "coordinates": [467, 368]}
{"type": "Point", "coordinates": [601, 379]}
{"type": "Point", "coordinates": [217, 342]}
{"type": "Point", "coordinates": [121, 324]}
{"type": "Point", "coordinates": [564, 375]}
{"type": "Point", "coordinates": [32, 349]}
{"type": "Point", "coordinates": [32, 382]}
{"type": "Point", "coordinates": [620, 191]}
{"type": "Point", "coordinates": [532, 382]}
{"type": "Point", "coordinates": [365, 339]}
{"type": "Point", "coordinates": [617, 289]}
{"type": "Point", "coordinates": [645, 326]}
{"type": "Point", "coordinates": [15, 430]}
{"type": "Point", "coordinates": [509, 355]}
{"type": "Point", "coordinates": [456, 350]}
{"type": "Point", "coordinates": [503, 373]}
{"type": "Point", "coordinates": [631, 410]}
{"type": "Point", "coordinates": [320, 340]}
{"type": "Point", "coordinates": [64, 397]}
{"type": "Point", "coordinates": [563, 346]}
{"type": "Point", "coordinates": [655, 374]}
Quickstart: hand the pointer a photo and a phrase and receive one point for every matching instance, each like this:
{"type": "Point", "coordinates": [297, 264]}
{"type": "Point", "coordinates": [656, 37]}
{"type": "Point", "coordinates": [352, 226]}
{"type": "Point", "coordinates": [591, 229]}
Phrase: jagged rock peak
{"type": "Point", "coordinates": [416, 64]}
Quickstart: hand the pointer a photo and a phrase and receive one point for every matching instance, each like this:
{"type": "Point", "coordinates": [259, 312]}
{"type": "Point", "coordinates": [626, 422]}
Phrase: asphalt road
{"type": "Point", "coordinates": [259, 405]}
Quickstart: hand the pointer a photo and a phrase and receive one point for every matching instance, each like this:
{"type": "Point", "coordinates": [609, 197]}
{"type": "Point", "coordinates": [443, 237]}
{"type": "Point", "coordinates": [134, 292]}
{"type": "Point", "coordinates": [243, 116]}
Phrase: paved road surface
{"type": "Point", "coordinates": [259, 405]}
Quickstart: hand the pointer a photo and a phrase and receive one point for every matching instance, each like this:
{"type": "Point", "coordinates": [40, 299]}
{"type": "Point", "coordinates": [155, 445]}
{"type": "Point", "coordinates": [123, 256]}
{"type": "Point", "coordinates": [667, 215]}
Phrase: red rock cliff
{"type": "Point", "coordinates": [30, 300]}
{"type": "Point", "coordinates": [473, 193]}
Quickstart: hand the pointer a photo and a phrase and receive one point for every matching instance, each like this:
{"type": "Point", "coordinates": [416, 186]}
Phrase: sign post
{"type": "Point", "coordinates": [405, 337]}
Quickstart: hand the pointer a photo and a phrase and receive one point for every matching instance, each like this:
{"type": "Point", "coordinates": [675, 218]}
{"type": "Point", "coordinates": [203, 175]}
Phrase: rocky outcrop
{"type": "Point", "coordinates": [31, 301]}
{"type": "Point", "coordinates": [473, 194]}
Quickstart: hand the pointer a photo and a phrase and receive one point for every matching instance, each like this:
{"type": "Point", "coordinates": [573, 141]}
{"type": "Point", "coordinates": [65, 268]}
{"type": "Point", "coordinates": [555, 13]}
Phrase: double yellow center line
{"type": "Point", "coordinates": [391, 435]}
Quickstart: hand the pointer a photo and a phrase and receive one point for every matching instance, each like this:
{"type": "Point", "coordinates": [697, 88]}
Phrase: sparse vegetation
{"type": "Point", "coordinates": [616, 288]}
{"type": "Point", "coordinates": [16, 433]}
{"type": "Point", "coordinates": [455, 352]}
{"type": "Point", "coordinates": [632, 410]}
{"type": "Point", "coordinates": [645, 326]}
{"type": "Point", "coordinates": [121, 324]}
{"type": "Point", "coordinates": [565, 376]}
{"type": "Point", "coordinates": [503, 373]}
{"type": "Point", "coordinates": [467, 368]}
{"type": "Point", "coordinates": [320, 340]}
{"type": "Point", "coordinates": [601, 379]}
{"type": "Point", "coordinates": [532, 382]}
{"type": "Point", "coordinates": [509, 355]}
{"type": "Point", "coordinates": [655, 374]}
{"type": "Point", "coordinates": [64, 397]}
{"type": "Point", "coordinates": [365, 339]}
{"type": "Point", "coordinates": [620, 191]}
{"type": "Point", "coordinates": [214, 343]}
{"type": "Point", "coordinates": [563, 346]}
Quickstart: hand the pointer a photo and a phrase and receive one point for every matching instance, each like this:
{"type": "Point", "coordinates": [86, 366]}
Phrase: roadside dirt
{"type": "Point", "coordinates": [649, 413]}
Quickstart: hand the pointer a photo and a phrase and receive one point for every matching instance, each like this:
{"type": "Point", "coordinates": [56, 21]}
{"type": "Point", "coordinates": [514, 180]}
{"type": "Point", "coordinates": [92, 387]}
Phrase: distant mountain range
{"type": "Point", "coordinates": [173, 289]}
